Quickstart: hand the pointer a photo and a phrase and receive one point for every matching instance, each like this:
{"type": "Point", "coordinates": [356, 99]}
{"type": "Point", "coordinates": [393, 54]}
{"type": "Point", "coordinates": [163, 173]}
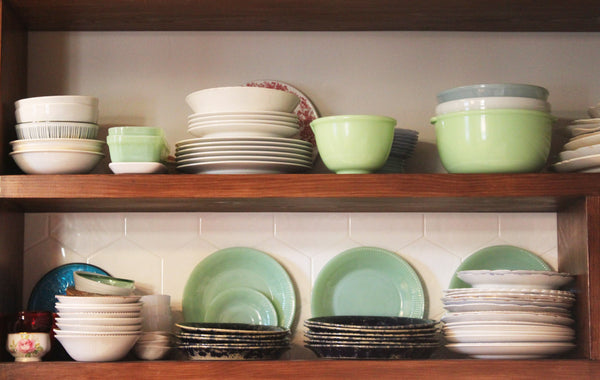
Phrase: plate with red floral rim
{"type": "Point", "coordinates": [306, 110]}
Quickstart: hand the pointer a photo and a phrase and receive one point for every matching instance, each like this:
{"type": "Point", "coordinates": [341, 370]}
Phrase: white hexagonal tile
{"type": "Point", "coordinates": [390, 231]}
{"type": "Point", "coordinates": [236, 229]}
{"type": "Point", "coordinates": [435, 266]}
{"type": "Point", "coordinates": [42, 258]}
{"type": "Point", "coordinates": [86, 233]}
{"type": "Point", "coordinates": [312, 233]}
{"type": "Point", "coordinates": [158, 232]}
{"type": "Point", "coordinates": [179, 263]}
{"type": "Point", "coordinates": [126, 260]}
{"type": "Point", "coordinates": [36, 229]}
{"type": "Point", "coordinates": [532, 231]}
{"type": "Point", "coordinates": [461, 233]}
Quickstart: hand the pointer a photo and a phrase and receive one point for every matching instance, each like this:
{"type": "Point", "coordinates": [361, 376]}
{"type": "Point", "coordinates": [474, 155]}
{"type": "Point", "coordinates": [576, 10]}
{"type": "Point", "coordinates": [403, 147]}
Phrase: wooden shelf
{"type": "Point", "coordinates": [297, 192]}
{"type": "Point", "coordinates": [288, 15]}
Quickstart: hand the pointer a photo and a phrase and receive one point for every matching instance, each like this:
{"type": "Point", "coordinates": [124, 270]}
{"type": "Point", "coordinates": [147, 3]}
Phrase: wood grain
{"type": "Point", "coordinates": [456, 15]}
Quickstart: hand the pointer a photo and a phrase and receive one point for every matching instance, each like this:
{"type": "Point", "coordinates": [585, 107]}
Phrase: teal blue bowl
{"type": "Point", "coordinates": [494, 141]}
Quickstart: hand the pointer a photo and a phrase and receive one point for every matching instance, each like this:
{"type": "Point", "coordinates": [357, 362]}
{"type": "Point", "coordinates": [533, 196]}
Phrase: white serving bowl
{"type": "Point", "coordinates": [57, 130]}
{"type": "Point", "coordinates": [64, 326]}
{"type": "Point", "coordinates": [100, 284]}
{"type": "Point", "coordinates": [241, 99]}
{"type": "Point", "coordinates": [496, 102]}
{"type": "Point", "coordinates": [97, 348]}
{"type": "Point", "coordinates": [79, 99]}
{"type": "Point", "coordinates": [98, 320]}
{"type": "Point", "coordinates": [56, 161]}
{"type": "Point", "coordinates": [109, 308]}
{"type": "Point", "coordinates": [133, 315]}
{"type": "Point", "coordinates": [57, 144]}
{"type": "Point", "coordinates": [77, 112]}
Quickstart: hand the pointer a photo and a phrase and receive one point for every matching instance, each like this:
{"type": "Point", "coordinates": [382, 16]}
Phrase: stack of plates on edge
{"type": "Point", "coordinates": [582, 152]}
{"type": "Point", "coordinates": [509, 314]}
{"type": "Point", "coordinates": [370, 337]}
{"type": "Point", "coordinates": [98, 328]}
{"type": "Point", "coordinates": [232, 341]}
{"type": "Point", "coordinates": [403, 147]}
{"type": "Point", "coordinates": [242, 130]}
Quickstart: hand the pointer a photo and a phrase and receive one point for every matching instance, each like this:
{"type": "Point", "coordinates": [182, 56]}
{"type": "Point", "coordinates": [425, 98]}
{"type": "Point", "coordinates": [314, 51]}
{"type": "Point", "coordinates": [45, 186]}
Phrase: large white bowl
{"type": "Point", "coordinates": [80, 99]}
{"type": "Point", "coordinates": [97, 348]}
{"type": "Point", "coordinates": [100, 284]}
{"type": "Point", "coordinates": [497, 102]}
{"type": "Point", "coordinates": [64, 326]}
{"type": "Point", "coordinates": [56, 130]}
{"type": "Point", "coordinates": [241, 99]}
{"type": "Point", "coordinates": [57, 144]}
{"type": "Point", "coordinates": [56, 161]}
{"type": "Point", "coordinates": [77, 112]}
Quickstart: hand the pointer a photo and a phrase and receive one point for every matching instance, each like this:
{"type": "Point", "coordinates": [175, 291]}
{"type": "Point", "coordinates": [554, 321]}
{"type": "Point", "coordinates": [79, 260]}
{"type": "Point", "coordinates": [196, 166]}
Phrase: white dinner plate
{"type": "Point", "coordinates": [137, 167]}
{"type": "Point", "coordinates": [578, 164]}
{"type": "Point", "coordinates": [241, 123]}
{"type": "Point", "coordinates": [583, 140]}
{"type": "Point", "coordinates": [514, 328]}
{"type": "Point", "coordinates": [263, 149]}
{"type": "Point", "coordinates": [306, 156]}
{"type": "Point", "coordinates": [504, 316]}
{"type": "Point", "coordinates": [242, 167]}
{"type": "Point", "coordinates": [250, 140]}
{"type": "Point", "coordinates": [515, 278]}
{"type": "Point", "coordinates": [458, 308]}
{"type": "Point", "coordinates": [507, 337]}
{"type": "Point", "coordinates": [511, 350]}
{"type": "Point", "coordinates": [243, 130]}
{"type": "Point", "coordinates": [208, 159]}
{"type": "Point", "coordinates": [290, 118]}
{"type": "Point", "coordinates": [515, 302]}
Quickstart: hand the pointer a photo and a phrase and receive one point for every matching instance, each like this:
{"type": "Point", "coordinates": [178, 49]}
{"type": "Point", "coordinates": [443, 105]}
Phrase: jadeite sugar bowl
{"type": "Point", "coordinates": [354, 144]}
{"type": "Point", "coordinates": [494, 141]}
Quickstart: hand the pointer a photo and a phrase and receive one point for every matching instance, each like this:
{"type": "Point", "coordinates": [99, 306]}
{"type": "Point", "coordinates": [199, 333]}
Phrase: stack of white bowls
{"type": "Point", "coordinates": [243, 130]}
{"type": "Point", "coordinates": [57, 135]}
{"type": "Point", "coordinates": [509, 314]}
{"type": "Point", "coordinates": [98, 328]}
{"type": "Point", "coordinates": [582, 152]}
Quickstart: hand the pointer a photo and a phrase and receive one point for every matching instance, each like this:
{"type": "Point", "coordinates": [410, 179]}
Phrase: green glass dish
{"type": "Point", "coordinates": [368, 281]}
{"type": "Point", "coordinates": [498, 257]}
{"type": "Point", "coordinates": [238, 267]}
{"type": "Point", "coordinates": [241, 305]}
{"type": "Point", "coordinates": [137, 148]}
{"type": "Point", "coordinates": [136, 131]}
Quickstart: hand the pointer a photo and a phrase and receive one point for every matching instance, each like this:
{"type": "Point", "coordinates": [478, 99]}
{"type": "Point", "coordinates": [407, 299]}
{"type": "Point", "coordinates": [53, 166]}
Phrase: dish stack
{"type": "Point", "coordinates": [98, 328]}
{"type": "Point", "coordinates": [493, 128]}
{"type": "Point", "coordinates": [582, 152]}
{"type": "Point", "coordinates": [243, 130]}
{"type": "Point", "coordinates": [57, 135]}
{"type": "Point", "coordinates": [403, 148]}
{"type": "Point", "coordinates": [369, 337]}
{"type": "Point", "coordinates": [232, 341]}
{"type": "Point", "coordinates": [509, 314]}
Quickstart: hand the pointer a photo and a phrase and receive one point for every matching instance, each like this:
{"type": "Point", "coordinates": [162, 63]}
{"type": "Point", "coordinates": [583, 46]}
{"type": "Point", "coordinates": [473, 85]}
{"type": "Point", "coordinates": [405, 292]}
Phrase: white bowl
{"type": "Point", "coordinates": [80, 99]}
{"type": "Point", "coordinates": [497, 102]}
{"type": "Point", "coordinates": [57, 144]}
{"type": "Point", "coordinates": [64, 326]}
{"type": "Point", "coordinates": [100, 284]}
{"type": "Point", "coordinates": [97, 348]}
{"type": "Point", "coordinates": [99, 321]}
{"type": "Point", "coordinates": [77, 112]}
{"type": "Point", "coordinates": [241, 99]}
{"type": "Point", "coordinates": [56, 161]}
{"type": "Point", "coordinates": [151, 351]}
{"type": "Point", "coordinates": [56, 129]}
{"type": "Point", "coordinates": [134, 315]}
{"type": "Point", "coordinates": [91, 308]}
{"type": "Point", "coordinates": [76, 300]}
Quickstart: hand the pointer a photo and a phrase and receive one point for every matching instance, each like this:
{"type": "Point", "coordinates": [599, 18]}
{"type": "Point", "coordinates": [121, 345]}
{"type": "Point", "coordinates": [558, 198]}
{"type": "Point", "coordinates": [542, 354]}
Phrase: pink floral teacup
{"type": "Point", "coordinates": [28, 347]}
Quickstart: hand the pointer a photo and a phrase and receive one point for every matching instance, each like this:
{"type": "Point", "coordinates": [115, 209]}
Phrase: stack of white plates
{"type": "Point", "coordinates": [582, 152]}
{"type": "Point", "coordinates": [243, 155]}
{"type": "Point", "coordinates": [509, 314]}
{"type": "Point", "coordinates": [371, 337]}
{"type": "Point", "coordinates": [236, 124]}
{"type": "Point", "coordinates": [403, 147]}
{"type": "Point", "coordinates": [232, 341]}
{"type": "Point", "coordinates": [98, 328]}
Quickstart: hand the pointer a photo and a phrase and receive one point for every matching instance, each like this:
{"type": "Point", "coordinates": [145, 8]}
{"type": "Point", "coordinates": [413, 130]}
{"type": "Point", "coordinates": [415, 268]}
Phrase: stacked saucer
{"type": "Point", "coordinates": [582, 152]}
{"type": "Point", "coordinates": [509, 314]}
{"type": "Point", "coordinates": [403, 147]}
{"type": "Point", "coordinates": [371, 337]}
{"type": "Point", "coordinates": [98, 328]}
{"type": "Point", "coordinates": [232, 341]}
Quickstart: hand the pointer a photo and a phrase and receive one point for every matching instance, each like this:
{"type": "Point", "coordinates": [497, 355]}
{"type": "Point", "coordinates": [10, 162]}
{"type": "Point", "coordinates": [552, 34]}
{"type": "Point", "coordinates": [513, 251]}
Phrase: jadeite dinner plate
{"type": "Point", "coordinates": [368, 281]}
{"type": "Point", "coordinates": [242, 305]}
{"type": "Point", "coordinates": [56, 282]}
{"type": "Point", "coordinates": [498, 257]}
{"type": "Point", "coordinates": [234, 268]}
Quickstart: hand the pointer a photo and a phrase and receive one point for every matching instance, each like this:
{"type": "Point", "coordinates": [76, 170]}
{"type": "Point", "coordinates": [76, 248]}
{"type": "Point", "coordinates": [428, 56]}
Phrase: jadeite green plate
{"type": "Point", "coordinates": [238, 267]}
{"type": "Point", "coordinates": [242, 305]}
{"type": "Point", "coordinates": [498, 257]}
{"type": "Point", "coordinates": [368, 281]}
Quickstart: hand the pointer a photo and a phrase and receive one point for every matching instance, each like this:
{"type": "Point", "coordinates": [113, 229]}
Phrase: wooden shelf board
{"type": "Point", "coordinates": [288, 15]}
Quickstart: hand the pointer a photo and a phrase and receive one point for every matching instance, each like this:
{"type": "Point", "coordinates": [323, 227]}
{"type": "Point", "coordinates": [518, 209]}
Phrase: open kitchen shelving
{"type": "Point", "coordinates": [575, 198]}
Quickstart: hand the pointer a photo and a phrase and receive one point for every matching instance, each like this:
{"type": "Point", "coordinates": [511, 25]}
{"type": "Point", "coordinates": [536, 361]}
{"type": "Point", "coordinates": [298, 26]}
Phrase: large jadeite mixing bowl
{"type": "Point", "coordinates": [494, 141]}
{"type": "Point", "coordinates": [354, 144]}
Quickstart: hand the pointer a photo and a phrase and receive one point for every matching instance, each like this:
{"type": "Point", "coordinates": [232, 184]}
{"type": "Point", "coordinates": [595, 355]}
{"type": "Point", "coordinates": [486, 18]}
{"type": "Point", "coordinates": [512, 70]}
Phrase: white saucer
{"type": "Point", "coordinates": [137, 167]}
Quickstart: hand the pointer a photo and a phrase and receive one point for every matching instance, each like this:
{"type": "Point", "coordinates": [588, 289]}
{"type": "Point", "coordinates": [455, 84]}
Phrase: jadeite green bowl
{"type": "Point", "coordinates": [494, 141]}
{"type": "Point", "coordinates": [136, 131]}
{"type": "Point", "coordinates": [354, 144]}
{"type": "Point", "coordinates": [137, 148]}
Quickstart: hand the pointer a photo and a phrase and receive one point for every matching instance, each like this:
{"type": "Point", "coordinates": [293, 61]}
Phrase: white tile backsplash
{"type": "Point", "coordinates": [159, 250]}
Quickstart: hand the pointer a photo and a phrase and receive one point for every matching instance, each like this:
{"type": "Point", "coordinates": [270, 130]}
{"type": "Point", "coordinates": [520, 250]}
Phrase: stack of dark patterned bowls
{"type": "Point", "coordinates": [371, 337]}
{"type": "Point", "coordinates": [232, 341]}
